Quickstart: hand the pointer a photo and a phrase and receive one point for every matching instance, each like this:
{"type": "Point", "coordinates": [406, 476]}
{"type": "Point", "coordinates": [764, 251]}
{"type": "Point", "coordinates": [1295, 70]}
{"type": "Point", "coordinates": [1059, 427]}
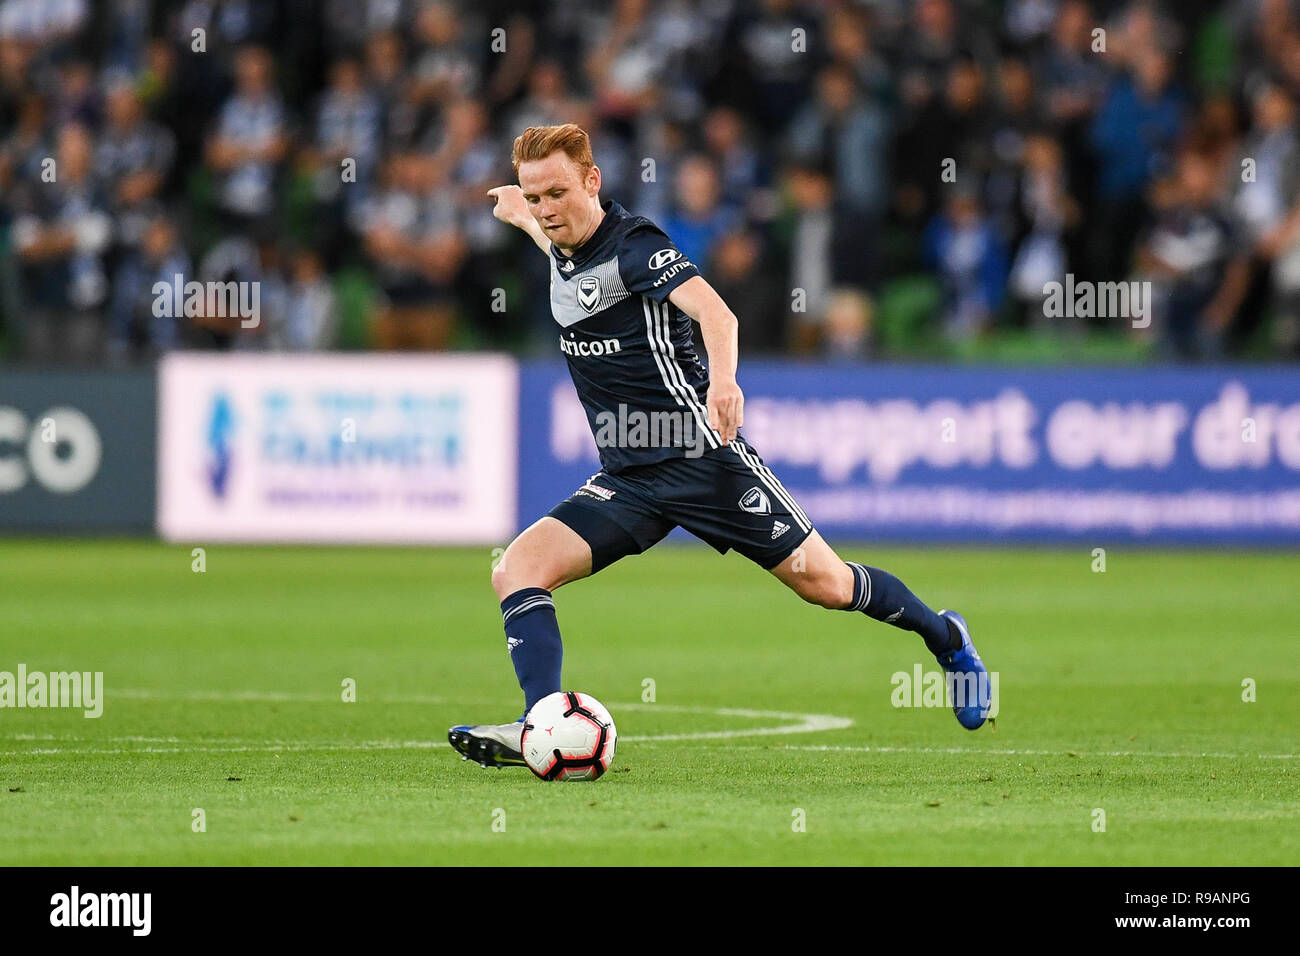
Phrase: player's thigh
{"type": "Point", "coordinates": [547, 554]}
{"type": "Point", "coordinates": [817, 574]}
{"type": "Point", "coordinates": [615, 516]}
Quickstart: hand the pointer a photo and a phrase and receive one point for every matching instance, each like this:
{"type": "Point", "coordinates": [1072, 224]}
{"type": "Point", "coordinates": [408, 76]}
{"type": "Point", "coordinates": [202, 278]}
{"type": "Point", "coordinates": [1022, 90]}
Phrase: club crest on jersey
{"type": "Point", "coordinates": [662, 258]}
{"type": "Point", "coordinates": [755, 502]}
{"type": "Point", "coordinates": [589, 293]}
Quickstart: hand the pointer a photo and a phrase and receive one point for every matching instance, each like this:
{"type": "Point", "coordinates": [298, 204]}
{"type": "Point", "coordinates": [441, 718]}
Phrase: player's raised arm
{"type": "Point", "coordinates": [512, 208]}
{"type": "Point", "coordinates": [725, 402]}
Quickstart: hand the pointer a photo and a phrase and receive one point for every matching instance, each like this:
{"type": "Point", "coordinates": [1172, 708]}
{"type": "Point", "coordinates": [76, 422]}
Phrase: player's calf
{"type": "Point", "coordinates": [815, 572]}
{"type": "Point", "coordinates": [543, 557]}
{"type": "Point", "coordinates": [880, 595]}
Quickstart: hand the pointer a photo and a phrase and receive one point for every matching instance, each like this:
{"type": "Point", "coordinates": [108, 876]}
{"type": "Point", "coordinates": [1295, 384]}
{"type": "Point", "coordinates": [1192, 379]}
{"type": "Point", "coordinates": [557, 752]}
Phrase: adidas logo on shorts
{"type": "Point", "coordinates": [779, 528]}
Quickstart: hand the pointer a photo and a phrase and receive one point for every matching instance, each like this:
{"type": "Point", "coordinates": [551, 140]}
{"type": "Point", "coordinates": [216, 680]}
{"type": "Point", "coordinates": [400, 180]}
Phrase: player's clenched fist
{"type": "Point", "coordinates": [511, 206]}
{"type": "Point", "coordinates": [726, 404]}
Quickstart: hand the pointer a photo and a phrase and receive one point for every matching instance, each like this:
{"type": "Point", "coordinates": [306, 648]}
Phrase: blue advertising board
{"type": "Point", "coordinates": [1166, 455]}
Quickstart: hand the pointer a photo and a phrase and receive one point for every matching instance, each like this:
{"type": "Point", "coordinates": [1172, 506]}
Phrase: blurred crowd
{"type": "Point", "coordinates": [857, 179]}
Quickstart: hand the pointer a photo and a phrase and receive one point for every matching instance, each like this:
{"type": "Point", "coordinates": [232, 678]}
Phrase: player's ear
{"type": "Point", "coordinates": [593, 181]}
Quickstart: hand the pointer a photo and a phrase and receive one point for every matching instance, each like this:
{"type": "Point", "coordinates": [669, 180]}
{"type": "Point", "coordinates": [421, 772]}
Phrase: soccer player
{"type": "Point", "coordinates": [623, 298]}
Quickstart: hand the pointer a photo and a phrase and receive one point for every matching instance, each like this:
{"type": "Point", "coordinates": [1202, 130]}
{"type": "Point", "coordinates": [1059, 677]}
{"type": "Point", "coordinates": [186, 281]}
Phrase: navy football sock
{"type": "Point", "coordinates": [880, 595]}
{"type": "Point", "coordinates": [533, 637]}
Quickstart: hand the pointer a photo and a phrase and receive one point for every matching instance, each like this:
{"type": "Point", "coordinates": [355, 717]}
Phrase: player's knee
{"type": "Point", "coordinates": [501, 580]}
{"type": "Point", "coordinates": [840, 592]}
{"type": "Point", "coordinates": [514, 572]}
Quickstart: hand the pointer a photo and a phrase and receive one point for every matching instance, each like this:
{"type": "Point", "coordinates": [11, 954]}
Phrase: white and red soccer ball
{"type": "Point", "coordinates": [568, 736]}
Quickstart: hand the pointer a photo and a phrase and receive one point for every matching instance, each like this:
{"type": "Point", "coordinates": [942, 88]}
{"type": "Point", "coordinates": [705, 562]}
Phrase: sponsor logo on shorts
{"type": "Point", "coordinates": [595, 491]}
{"type": "Point", "coordinates": [779, 528]}
{"type": "Point", "coordinates": [755, 502]}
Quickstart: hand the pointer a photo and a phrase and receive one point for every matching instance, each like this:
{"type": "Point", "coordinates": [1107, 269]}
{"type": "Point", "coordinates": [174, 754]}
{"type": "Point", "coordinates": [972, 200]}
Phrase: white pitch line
{"type": "Point", "coordinates": [1027, 753]}
{"type": "Point", "coordinates": [265, 696]}
{"type": "Point", "coordinates": [802, 723]}
{"type": "Point", "coordinates": [289, 746]}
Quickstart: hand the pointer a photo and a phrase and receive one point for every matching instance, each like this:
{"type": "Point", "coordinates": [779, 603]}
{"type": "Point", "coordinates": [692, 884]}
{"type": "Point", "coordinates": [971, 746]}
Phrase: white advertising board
{"type": "Point", "coordinates": [337, 448]}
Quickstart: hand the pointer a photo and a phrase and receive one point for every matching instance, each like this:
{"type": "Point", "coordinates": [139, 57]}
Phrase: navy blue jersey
{"type": "Point", "coordinates": [631, 352]}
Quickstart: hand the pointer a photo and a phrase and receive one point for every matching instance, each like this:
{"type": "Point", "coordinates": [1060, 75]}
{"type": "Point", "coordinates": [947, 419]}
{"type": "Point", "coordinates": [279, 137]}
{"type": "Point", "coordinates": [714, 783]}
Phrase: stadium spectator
{"type": "Point", "coordinates": [1045, 213]}
{"type": "Point", "coordinates": [745, 177]}
{"type": "Point", "coordinates": [699, 218]}
{"type": "Point", "coordinates": [23, 151]}
{"type": "Point", "coordinates": [850, 133]}
{"type": "Point", "coordinates": [944, 141]}
{"type": "Point", "coordinates": [1072, 77]}
{"type": "Point", "coordinates": [548, 101]}
{"type": "Point", "coordinates": [1136, 127]}
{"type": "Point", "coordinates": [847, 333]}
{"type": "Point", "coordinates": [133, 159]}
{"type": "Point", "coordinates": [62, 232]}
{"type": "Point", "coordinates": [346, 153]}
{"type": "Point", "coordinates": [812, 250]}
{"type": "Point", "coordinates": [1193, 253]}
{"type": "Point", "coordinates": [1015, 117]}
{"type": "Point", "coordinates": [852, 44]}
{"type": "Point", "coordinates": [308, 317]}
{"type": "Point", "coordinates": [42, 23]}
{"type": "Point", "coordinates": [962, 245]}
{"type": "Point", "coordinates": [76, 99]}
{"type": "Point", "coordinates": [136, 329]}
{"type": "Point", "coordinates": [1266, 203]}
{"type": "Point", "coordinates": [416, 251]}
{"type": "Point", "coordinates": [251, 265]}
{"type": "Point", "coordinates": [756, 296]}
{"type": "Point", "coordinates": [831, 142]}
{"type": "Point", "coordinates": [386, 71]}
{"type": "Point", "coordinates": [1072, 81]}
{"type": "Point", "coordinates": [249, 143]}
{"type": "Point", "coordinates": [446, 70]}
{"type": "Point", "coordinates": [768, 69]}
{"type": "Point", "coordinates": [624, 66]}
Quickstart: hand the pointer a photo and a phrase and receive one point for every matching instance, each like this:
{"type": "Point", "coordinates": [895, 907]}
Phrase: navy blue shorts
{"type": "Point", "coordinates": [726, 497]}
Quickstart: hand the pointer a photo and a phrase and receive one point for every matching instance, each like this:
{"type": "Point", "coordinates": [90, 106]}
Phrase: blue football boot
{"type": "Point", "coordinates": [968, 678]}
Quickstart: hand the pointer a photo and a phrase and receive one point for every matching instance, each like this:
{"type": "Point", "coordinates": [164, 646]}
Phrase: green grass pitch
{"type": "Point", "coordinates": [1120, 691]}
